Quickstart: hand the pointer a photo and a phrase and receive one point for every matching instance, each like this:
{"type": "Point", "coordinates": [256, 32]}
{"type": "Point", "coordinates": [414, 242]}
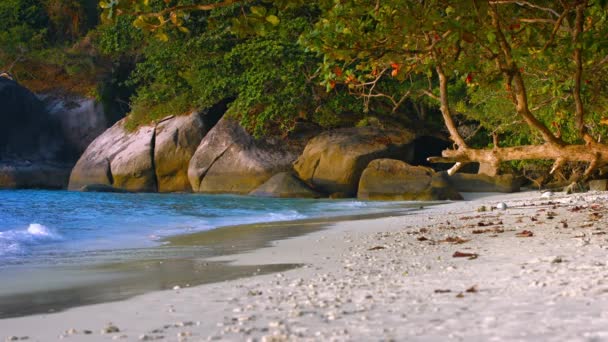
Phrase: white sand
{"type": "Point", "coordinates": [376, 280]}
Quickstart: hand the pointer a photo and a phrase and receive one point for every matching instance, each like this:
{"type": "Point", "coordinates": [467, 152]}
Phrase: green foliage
{"type": "Point", "coordinates": [22, 28]}
{"type": "Point", "coordinates": [119, 38]}
{"type": "Point", "coordinates": [266, 75]}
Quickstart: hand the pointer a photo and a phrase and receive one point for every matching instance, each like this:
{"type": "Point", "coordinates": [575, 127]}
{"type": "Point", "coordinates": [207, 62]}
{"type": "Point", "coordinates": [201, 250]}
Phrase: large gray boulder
{"type": "Point", "coordinates": [285, 185]}
{"type": "Point", "coordinates": [117, 158]}
{"type": "Point", "coordinates": [33, 152]}
{"type": "Point", "coordinates": [81, 119]}
{"type": "Point", "coordinates": [394, 180]}
{"type": "Point", "coordinates": [333, 161]}
{"type": "Point", "coordinates": [151, 158]}
{"type": "Point", "coordinates": [229, 160]}
{"type": "Point", "coordinates": [27, 131]}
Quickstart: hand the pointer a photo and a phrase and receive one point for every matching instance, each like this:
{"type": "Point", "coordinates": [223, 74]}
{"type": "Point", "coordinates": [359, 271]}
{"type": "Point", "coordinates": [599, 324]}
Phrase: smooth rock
{"type": "Point", "coordinates": [229, 160]}
{"type": "Point", "coordinates": [177, 139]}
{"type": "Point", "coordinates": [598, 185]}
{"type": "Point", "coordinates": [547, 194]}
{"type": "Point", "coordinates": [501, 206]}
{"type": "Point", "coordinates": [151, 158]}
{"type": "Point", "coordinates": [333, 161]}
{"type": "Point", "coordinates": [27, 131]}
{"type": "Point", "coordinates": [34, 175]}
{"type": "Point", "coordinates": [95, 165]}
{"type": "Point", "coordinates": [389, 179]}
{"type": "Point", "coordinates": [285, 184]}
{"type": "Point", "coordinates": [81, 119]}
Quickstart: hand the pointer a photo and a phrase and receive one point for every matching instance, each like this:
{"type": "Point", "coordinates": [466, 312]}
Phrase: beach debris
{"type": "Point", "coordinates": [482, 209]}
{"type": "Point", "coordinates": [460, 295]}
{"type": "Point", "coordinates": [376, 248]}
{"type": "Point", "coordinates": [110, 329]}
{"type": "Point", "coordinates": [470, 256]}
{"type": "Point", "coordinates": [547, 194]}
{"type": "Point", "coordinates": [525, 233]}
{"type": "Point", "coordinates": [253, 293]}
{"type": "Point", "coordinates": [472, 289]}
{"type": "Point", "coordinates": [176, 287]}
{"type": "Point", "coordinates": [501, 206]}
{"type": "Point", "coordinates": [422, 238]}
{"type": "Point", "coordinates": [443, 291]}
{"type": "Point", "coordinates": [564, 223]}
{"type": "Point", "coordinates": [492, 230]}
{"type": "Point", "coordinates": [455, 240]}
{"type": "Point", "coordinates": [557, 260]}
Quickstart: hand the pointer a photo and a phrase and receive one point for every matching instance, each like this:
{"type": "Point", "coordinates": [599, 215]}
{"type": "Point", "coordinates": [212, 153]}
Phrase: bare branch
{"type": "Point", "coordinates": [522, 3]}
{"type": "Point", "coordinates": [558, 23]}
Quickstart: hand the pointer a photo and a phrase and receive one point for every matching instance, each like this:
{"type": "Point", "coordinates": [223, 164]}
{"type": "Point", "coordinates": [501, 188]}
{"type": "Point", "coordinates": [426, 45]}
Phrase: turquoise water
{"type": "Point", "coordinates": [63, 249]}
{"type": "Point", "coordinates": [59, 227]}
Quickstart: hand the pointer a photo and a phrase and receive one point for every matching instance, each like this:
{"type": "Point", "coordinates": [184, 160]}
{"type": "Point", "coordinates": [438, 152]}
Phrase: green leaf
{"type": "Point", "coordinates": [258, 10]}
{"type": "Point", "coordinates": [273, 19]}
{"type": "Point", "coordinates": [163, 37]}
{"type": "Point", "coordinates": [491, 37]}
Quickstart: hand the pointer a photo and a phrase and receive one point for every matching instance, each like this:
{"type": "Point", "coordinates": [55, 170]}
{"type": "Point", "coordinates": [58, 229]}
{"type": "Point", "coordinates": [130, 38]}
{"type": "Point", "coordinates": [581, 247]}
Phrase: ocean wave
{"type": "Point", "coordinates": [18, 241]}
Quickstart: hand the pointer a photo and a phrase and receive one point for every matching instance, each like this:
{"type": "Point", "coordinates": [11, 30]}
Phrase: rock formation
{"type": "Point", "coordinates": [333, 161]}
{"type": "Point", "coordinates": [389, 179]}
{"type": "Point", "coordinates": [285, 185]}
{"type": "Point", "coordinates": [229, 160]}
{"type": "Point", "coordinates": [151, 158]}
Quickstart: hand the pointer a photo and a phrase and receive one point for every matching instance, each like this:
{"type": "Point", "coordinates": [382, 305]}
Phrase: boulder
{"type": "Point", "coordinates": [81, 119]}
{"type": "Point", "coordinates": [132, 167]}
{"type": "Point", "coordinates": [468, 182]}
{"type": "Point", "coordinates": [285, 185]}
{"type": "Point", "coordinates": [151, 158]}
{"type": "Point", "coordinates": [395, 180]}
{"type": "Point", "coordinates": [39, 175]}
{"type": "Point", "coordinates": [333, 161]}
{"type": "Point", "coordinates": [33, 151]}
{"type": "Point", "coordinates": [229, 160]}
{"type": "Point", "coordinates": [27, 131]}
{"type": "Point", "coordinates": [598, 185]}
{"type": "Point", "coordinates": [177, 138]}
{"type": "Point", "coordinates": [116, 157]}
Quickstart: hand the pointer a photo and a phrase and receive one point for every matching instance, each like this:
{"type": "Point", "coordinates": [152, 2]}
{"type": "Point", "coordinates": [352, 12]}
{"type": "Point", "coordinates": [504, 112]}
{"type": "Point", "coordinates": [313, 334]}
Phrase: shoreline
{"type": "Point", "coordinates": [389, 278]}
{"type": "Point", "coordinates": [191, 264]}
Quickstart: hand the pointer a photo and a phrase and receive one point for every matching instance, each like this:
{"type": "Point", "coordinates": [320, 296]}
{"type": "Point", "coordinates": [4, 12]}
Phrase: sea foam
{"type": "Point", "coordinates": [17, 241]}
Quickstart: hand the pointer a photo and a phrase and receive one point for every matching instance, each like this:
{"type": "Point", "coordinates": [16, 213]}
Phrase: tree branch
{"type": "Point", "coordinates": [513, 74]}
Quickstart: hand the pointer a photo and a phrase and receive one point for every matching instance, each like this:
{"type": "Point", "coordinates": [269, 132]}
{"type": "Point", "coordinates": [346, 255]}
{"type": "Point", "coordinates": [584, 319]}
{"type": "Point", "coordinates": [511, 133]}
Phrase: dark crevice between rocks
{"type": "Point", "coordinates": [109, 172]}
{"type": "Point", "coordinates": [152, 161]}
{"type": "Point", "coordinates": [213, 115]}
{"type": "Point", "coordinates": [429, 146]}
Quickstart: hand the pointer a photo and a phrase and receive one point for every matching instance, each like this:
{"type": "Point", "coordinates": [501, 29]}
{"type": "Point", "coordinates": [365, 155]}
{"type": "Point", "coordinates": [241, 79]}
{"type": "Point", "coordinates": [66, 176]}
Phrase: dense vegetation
{"type": "Point", "coordinates": [523, 79]}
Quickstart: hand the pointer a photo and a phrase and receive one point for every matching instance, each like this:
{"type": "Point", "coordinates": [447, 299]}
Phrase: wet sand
{"type": "Point", "coordinates": [183, 261]}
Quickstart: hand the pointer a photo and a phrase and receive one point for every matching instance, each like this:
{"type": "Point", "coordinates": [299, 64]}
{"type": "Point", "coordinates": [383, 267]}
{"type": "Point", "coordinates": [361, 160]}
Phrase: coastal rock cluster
{"type": "Point", "coordinates": [52, 138]}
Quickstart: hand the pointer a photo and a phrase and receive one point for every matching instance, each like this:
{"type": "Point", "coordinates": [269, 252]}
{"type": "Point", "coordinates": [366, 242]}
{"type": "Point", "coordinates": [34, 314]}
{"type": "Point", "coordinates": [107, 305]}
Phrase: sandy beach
{"type": "Point", "coordinates": [534, 271]}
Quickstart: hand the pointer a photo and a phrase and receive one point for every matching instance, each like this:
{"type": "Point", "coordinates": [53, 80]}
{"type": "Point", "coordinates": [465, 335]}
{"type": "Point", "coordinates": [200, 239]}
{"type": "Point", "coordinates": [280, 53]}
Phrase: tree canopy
{"type": "Point", "coordinates": [526, 75]}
